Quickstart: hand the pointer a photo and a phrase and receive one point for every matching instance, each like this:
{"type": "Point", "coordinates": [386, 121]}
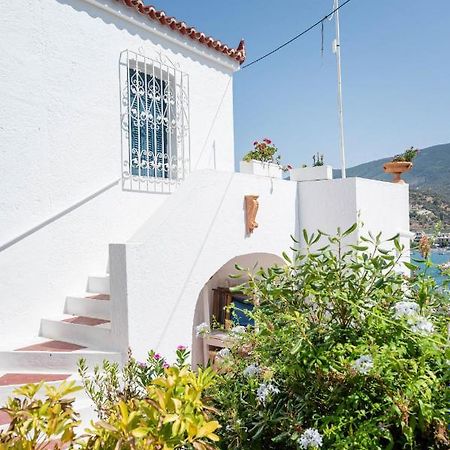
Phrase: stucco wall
{"type": "Point", "coordinates": [60, 141]}
{"type": "Point", "coordinates": [377, 205]}
{"type": "Point", "coordinates": [202, 227]}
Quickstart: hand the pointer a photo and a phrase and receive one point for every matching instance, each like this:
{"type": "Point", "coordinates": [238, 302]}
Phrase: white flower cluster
{"type": "Point", "coordinates": [202, 330]}
{"type": "Point", "coordinates": [364, 364]}
{"type": "Point", "coordinates": [252, 370]}
{"type": "Point", "coordinates": [405, 309]}
{"type": "Point", "coordinates": [421, 325]}
{"type": "Point", "coordinates": [410, 311]}
{"type": "Point", "coordinates": [264, 391]}
{"type": "Point", "coordinates": [238, 329]}
{"type": "Point", "coordinates": [224, 353]}
{"type": "Point", "coordinates": [311, 438]}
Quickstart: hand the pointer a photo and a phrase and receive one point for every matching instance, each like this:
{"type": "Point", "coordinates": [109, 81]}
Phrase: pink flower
{"type": "Point", "coordinates": [255, 143]}
{"type": "Point", "coordinates": [157, 356]}
{"type": "Point", "coordinates": [181, 348]}
{"type": "Point", "coordinates": [166, 365]}
{"type": "Point", "coordinates": [289, 167]}
{"type": "Point", "coordinates": [267, 141]}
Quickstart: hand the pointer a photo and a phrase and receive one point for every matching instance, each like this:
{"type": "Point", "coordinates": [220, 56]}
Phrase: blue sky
{"type": "Point", "coordinates": [396, 74]}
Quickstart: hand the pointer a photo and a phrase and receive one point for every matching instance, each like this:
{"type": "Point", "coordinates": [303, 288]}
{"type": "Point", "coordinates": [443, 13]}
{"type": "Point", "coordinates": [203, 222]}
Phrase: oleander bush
{"type": "Point", "coordinates": [111, 383]}
{"type": "Point", "coordinates": [142, 406]}
{"type": "Point", "coordinates": [172, 415]}
{"type": "Point", "coordinates": [150, 405]}
{"type": "Point", "coordinates": [346, 353]}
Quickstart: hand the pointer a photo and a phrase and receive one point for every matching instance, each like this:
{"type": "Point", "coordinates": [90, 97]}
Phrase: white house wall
{"type": "Point", "coordinates": [165, 266]}
{"type": "Point", "coordinates": [60, 142]}
{"type": "Point", "coordinates": [377, 205]}
{"type": "Point", "coordinates": [201, 228]}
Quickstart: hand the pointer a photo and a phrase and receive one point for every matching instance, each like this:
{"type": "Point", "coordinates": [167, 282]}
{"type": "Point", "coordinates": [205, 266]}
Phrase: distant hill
{"type": "Point", "coordinates": [429, 182]}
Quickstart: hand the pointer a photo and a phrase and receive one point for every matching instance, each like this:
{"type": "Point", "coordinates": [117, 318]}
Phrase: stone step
{"type": "Point", "coordinates": [88, 307]}
{"type": "Point", "coordinates": [98, 284]}
{"type": "Point", "coordinates": [52, 356]}
{"type": "Point", "coordinates": [84, 331]}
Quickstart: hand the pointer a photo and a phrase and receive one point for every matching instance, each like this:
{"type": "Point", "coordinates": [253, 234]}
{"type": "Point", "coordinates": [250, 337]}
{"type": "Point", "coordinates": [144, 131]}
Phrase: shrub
{"type": "Point", "coordinates": [111, 383]}
{"type": "Point", "coordinates": [346, 353]}
{"type": "Point", "coordinates": [40, 423]}
{"type": "Point", "coordinates": [171, 416]}
{"type": "Point", "coordinates": [263, 151]}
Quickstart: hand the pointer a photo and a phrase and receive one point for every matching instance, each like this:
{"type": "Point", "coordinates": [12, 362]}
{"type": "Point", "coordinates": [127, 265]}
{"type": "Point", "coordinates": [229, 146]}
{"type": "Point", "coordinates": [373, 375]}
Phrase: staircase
{"type": "Point", "coordinates": [83, 330]}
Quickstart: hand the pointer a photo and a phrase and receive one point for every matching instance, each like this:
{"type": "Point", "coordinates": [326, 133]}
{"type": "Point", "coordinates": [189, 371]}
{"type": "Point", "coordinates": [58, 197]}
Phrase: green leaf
{"type": "Point", "coordinates": [410, 266]}
{"type": "Point", "coordinates": [350, 230]}
{"type": "Point", "coordinates": [286, 257]}
{"type": "Point", "coordinates": [305, 237]}
{"type": "Point", "coordinates": [361, 248]}
{"type": "Point", "coordinates": [140, 432]}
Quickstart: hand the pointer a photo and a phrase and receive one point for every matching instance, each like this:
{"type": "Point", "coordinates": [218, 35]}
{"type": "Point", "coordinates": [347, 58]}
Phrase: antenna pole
{"type": "Point", "coordinates": [337, 50]}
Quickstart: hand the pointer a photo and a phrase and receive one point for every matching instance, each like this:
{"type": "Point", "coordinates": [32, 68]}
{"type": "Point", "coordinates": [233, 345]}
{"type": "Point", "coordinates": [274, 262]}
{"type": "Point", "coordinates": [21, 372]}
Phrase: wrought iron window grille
{"type": "Point", "coordinates": [155, 124]}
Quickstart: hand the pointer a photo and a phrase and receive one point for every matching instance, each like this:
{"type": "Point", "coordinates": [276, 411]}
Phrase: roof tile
{"type": "Point", "coordinates": [152, 13]}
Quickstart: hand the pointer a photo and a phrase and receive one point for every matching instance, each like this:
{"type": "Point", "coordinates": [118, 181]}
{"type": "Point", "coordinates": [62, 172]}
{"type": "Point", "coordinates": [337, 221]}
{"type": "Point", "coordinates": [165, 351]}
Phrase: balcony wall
{"type": "Point", "coordinates": [161, 271]}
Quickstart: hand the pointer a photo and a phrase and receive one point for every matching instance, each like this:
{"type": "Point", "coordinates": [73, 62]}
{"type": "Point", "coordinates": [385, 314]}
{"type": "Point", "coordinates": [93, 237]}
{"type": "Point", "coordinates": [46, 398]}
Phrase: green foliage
{"type": "Point", "coordinates": [110, 384]}
{"type": "Point", "coordinates": [263, 151]}
{"type": "Point", "coordinates": [344, 349]}
{"type": "Point", "coordinates": [171, 416]}
{"type": "Point", "coordinates": [408, 155]}
{"type": "Point", "coordinates": [151, 406]}
{"type": "Point", "coordinates": [317, 160]}
{"type": "Point", "coordinates": [36, 423]}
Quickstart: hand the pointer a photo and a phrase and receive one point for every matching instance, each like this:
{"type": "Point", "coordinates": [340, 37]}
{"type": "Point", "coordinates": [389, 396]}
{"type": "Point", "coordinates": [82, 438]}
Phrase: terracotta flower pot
{"type": "Point", "coordinates": [396, 168]}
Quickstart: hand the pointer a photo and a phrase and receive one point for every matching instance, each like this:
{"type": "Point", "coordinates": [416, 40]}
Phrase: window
{"type": "Point", "coordinates": [148, 125]}
{"type": "Point", "coordinates": [155, 124]}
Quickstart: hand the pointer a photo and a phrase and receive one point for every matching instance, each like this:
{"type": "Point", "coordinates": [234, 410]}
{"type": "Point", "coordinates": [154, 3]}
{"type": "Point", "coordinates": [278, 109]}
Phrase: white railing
{"type": "Point", "coordinates": [155, 124]}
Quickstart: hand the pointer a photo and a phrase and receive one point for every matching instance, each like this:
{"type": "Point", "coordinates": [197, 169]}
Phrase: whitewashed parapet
{"type": "Point", "coordinates": [264, 169]}
{"type": "Point", "coordinates": [311, 173]}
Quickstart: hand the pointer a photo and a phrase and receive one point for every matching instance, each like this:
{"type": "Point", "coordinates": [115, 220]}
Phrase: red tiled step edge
{"type": "Point", "coordinates": [51, 346]}
{"type": "Point", "coordinates": [81, 320]}
{"type": "Point", "coordinates": [99, 297]}
{"type": "Point", "coordinates": [24, 378]}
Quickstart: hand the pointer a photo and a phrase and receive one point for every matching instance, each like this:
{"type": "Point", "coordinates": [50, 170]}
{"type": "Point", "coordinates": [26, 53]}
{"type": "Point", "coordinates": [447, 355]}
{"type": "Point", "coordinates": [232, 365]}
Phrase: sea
{"type": "Point", "coordinates": [438, 256]}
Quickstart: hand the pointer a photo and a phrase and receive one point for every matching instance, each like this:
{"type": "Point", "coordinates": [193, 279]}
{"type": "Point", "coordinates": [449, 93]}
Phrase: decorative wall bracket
{"type": "Point", "coordinates": [251, 208]}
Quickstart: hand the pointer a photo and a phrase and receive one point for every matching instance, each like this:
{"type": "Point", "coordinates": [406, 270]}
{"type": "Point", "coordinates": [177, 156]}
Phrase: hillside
{"type": "Point", "coordinates": [429, 182]}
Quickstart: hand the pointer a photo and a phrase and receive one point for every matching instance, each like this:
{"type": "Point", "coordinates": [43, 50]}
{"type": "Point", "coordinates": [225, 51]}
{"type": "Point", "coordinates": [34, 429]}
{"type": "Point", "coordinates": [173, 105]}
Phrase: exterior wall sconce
{"type": "Point", "coordinates": [251, 208]}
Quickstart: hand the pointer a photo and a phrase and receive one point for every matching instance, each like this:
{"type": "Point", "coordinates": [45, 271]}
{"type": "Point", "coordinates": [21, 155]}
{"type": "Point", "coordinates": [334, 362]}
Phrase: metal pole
{"type": "Point", "coordinates": [337, 50]}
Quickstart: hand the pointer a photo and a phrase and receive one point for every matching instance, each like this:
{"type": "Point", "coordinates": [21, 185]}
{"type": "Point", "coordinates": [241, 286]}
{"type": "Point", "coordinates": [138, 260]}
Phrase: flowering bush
{"type": "Point", "coordinates": [346, 353]}
{"type": "Point", "coordinates": [111, 384]}
{"type": "Point", "coordinates": [263, 151]}
{"type": "Point", "coordinates": [144, 406]}
{"type": "Point", "coordinates": [172, 415]}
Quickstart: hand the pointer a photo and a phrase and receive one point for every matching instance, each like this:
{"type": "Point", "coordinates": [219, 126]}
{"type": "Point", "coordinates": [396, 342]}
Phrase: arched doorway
{"type": "Point", "coordinates": [221, 279]}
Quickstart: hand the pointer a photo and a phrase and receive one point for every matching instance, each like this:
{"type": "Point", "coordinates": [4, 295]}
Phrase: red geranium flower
{"type": "Point", "coordinates": [267, 141]}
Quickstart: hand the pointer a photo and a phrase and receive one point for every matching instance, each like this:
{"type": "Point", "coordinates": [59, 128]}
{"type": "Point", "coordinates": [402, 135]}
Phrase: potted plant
{"type": "Point", "coordinates": [400, 164]}
{"type": "Point", "coordinates": [318, 171]}
{"type": "Point", "coordinates": [262, 160]}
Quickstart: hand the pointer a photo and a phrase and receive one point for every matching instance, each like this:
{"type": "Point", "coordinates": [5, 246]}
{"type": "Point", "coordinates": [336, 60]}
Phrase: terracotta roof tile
{"type": "Point", "coordinates": [152, 13]}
